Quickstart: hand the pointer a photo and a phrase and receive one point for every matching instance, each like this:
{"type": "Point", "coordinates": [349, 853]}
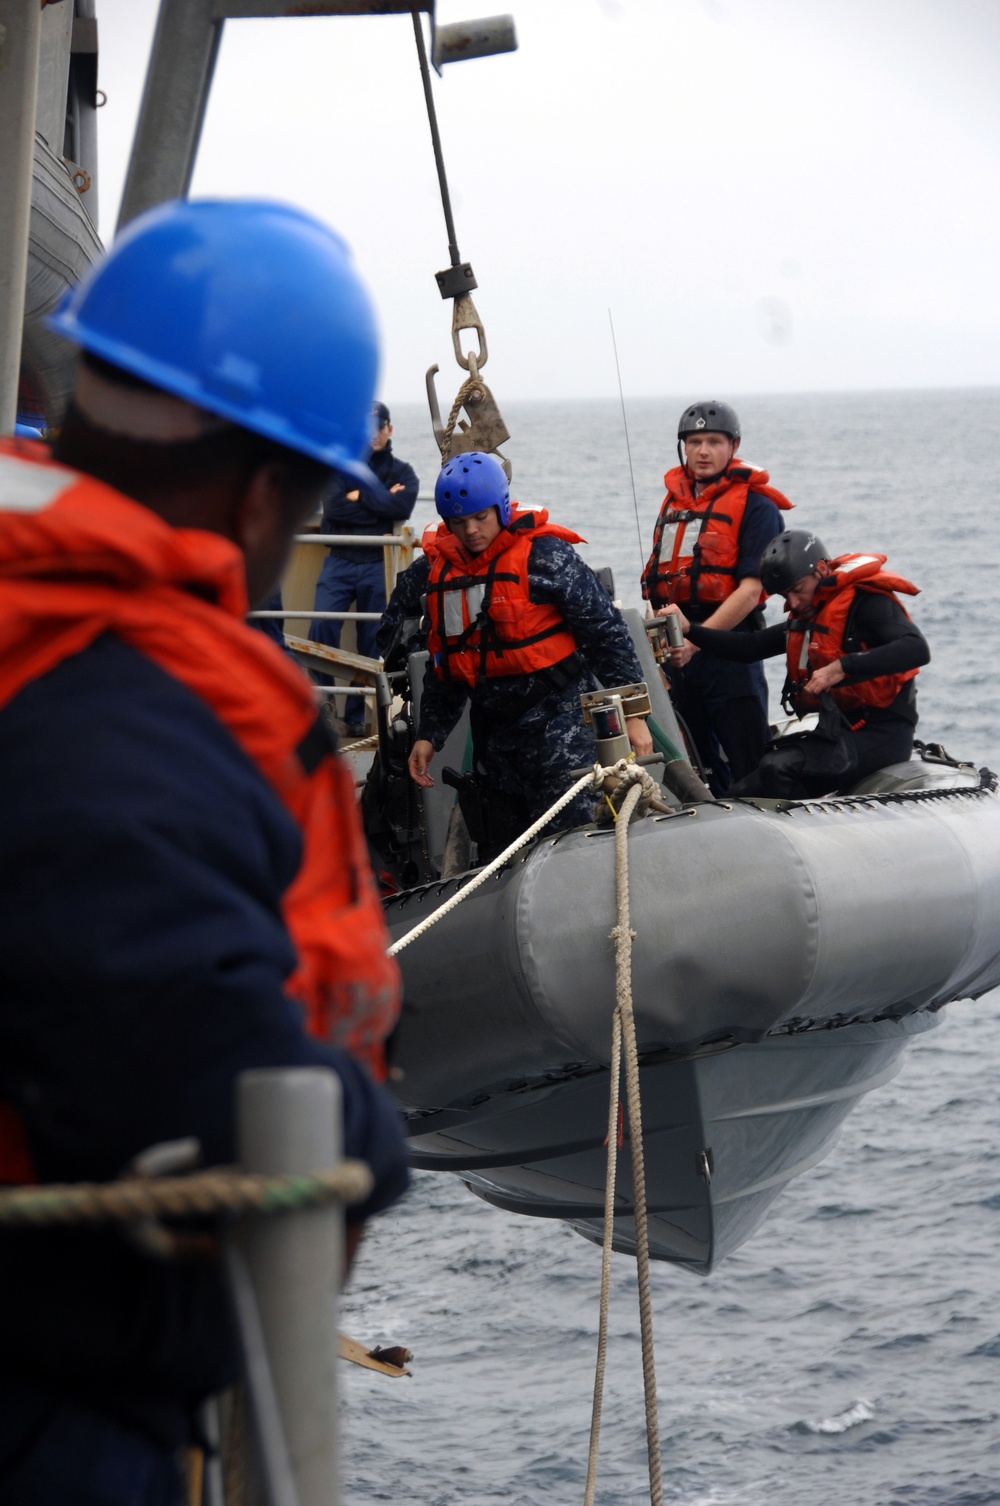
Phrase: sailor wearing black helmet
{"type": "Point", "coordinates": [718, 515]}
{"type": "Point", "coordinates": [853, 654]}
{"type": "Point", "coordinates": [519, 626]}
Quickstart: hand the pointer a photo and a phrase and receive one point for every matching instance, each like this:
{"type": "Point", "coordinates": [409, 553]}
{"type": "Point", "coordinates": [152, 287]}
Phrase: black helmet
{"type": "Point", "coordinates": [718, 417]}
{"type": "Point", "coordinates": [788, 557]}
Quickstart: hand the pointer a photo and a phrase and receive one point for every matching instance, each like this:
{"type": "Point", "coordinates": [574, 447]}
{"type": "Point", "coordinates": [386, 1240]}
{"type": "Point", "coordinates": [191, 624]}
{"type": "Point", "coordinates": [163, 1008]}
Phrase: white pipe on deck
{"type": "Point", "coordinates": [384, 540]}
{"type": "Point", "coordinates": [316, 616]}
{"type": "Point", "coordinates": [289, 1120]}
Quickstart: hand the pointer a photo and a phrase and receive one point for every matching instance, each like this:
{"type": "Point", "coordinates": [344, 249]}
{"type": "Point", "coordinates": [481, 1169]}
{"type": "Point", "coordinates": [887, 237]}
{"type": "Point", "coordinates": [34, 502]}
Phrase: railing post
{"type": "Point", "coordinates": [397, 557]}
{"type": "Point", "coordinates": [289, 1120]}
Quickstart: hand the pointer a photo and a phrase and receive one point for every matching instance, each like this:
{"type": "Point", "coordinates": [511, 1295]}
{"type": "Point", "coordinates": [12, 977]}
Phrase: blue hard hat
{"type": "Point", "coordinates": [472, 483]}
{"type": "Point", "coordinates": [250, 309]}
{"type": "Point", "coordinates": [27, 431]}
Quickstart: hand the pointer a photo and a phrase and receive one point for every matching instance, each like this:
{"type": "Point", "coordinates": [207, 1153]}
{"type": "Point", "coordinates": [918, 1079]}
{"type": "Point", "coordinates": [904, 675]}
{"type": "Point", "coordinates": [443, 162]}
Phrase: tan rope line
{"type": "Point", "coordinates": [216, 1191]}
{"type": "Point", "coordinates": [609, 1229]}
{"type": "Point", "coordinates": [624, 1033]}
{"type": "Point", "coordinates": [624, 937]}
{"type": "Point", "coordinates": [593, 780]}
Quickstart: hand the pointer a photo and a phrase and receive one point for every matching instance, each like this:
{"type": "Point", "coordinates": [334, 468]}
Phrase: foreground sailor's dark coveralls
{"type": "Point", "coordinates": [529, 754]}
{"type": "Point", "coordinates": [145, 864]}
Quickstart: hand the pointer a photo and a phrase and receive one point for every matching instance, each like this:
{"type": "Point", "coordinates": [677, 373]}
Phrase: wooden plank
{"type": "Point", "coordinates": [358, 1354]}
{"type": "Point", "coordinates": [322, 656]}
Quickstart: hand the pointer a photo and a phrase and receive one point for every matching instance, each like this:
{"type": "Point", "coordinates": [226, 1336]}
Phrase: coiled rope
{"type": "Point", "coordinates": [217, 1191]}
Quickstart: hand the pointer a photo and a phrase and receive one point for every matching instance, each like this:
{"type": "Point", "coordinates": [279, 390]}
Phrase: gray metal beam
{"type": "Point", "coordinates": [265, 9]}
{"type": "Point", "coordinates": [20, 33]}
{"type": "Point", "coordinates": [173, 105]}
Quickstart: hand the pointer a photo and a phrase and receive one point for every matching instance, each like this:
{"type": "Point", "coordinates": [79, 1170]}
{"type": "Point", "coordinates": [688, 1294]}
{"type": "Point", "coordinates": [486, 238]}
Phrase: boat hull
{"type": "Point", "coordinates": [783, 957]}
{"type": "Point", "coordinates": [723, 1132]}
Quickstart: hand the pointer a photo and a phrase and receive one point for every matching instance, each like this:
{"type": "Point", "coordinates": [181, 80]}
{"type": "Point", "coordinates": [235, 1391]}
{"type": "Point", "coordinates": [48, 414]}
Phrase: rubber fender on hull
{"type": "Point", "coordinates": [744, 919]}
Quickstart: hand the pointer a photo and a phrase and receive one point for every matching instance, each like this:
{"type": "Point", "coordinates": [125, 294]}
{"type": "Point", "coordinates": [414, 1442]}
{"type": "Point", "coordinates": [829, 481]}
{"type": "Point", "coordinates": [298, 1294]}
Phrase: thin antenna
{"type": "Point", "coordinates": [628, 447]}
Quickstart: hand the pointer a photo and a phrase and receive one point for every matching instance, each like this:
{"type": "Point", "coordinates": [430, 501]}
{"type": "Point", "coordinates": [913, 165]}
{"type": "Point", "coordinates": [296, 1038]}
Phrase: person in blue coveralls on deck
{"type": "Point", "coordinates": [717, 518]}
{"type": "Point", "coordinates": [184, 887]}
{"type": "Point", "coordinates": [356, 572]}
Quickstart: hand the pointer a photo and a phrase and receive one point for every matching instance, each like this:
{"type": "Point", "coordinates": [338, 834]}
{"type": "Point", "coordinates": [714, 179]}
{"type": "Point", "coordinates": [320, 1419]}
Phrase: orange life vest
{"type": "Point", "coordinates": [77, 560]}
{"type": "Point", "coordinates": [818, 637]}
{"type": "Point", "coordinates": [482, 620]}
{"type": "Point", "coordinates": [696, 539]}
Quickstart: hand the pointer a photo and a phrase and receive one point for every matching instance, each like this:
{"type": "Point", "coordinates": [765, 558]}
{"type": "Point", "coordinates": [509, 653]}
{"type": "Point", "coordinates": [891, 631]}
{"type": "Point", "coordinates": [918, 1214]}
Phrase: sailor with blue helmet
{"type": "Point", "coordinates": [518, 627]}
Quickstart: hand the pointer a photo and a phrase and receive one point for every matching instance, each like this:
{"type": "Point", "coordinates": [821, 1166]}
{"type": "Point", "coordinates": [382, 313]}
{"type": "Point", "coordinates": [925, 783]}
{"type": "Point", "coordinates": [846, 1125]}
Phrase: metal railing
{"type": "Point", "coordinates": [390, 544]}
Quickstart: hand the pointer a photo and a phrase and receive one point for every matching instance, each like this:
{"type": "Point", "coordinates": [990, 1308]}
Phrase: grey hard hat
{"type": "Point", "coordinates": [713, 415]}
{"type": "Point", "coordinates": [788, 557]}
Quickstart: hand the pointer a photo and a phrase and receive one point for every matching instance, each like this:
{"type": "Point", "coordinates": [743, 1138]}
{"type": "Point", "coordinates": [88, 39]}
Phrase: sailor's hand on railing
{"type": "Point", "coordinates": [639, 735]}
{"type": "Point", "coordinates": [418, 762]}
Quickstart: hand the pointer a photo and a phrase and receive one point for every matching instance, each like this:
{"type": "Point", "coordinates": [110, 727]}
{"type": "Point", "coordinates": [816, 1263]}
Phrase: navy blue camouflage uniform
{"type": "Point", "coordinates": [527, 747]}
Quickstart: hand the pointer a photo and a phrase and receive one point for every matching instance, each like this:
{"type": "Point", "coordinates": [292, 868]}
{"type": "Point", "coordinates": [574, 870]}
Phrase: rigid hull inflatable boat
{"type": "Point", "coordinates": [784, 955]}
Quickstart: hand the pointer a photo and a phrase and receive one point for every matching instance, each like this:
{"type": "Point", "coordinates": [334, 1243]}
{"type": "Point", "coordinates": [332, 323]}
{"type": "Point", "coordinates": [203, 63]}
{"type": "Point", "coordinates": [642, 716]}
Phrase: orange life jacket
{"type": "Point", "coordinates": [482, 620]}
{"type": "Point", "coordinates": [77, 560]}
{"type": "Point", "coordinates": [696, 539]}
{"type": "Point", "coordinates": [818, 637]}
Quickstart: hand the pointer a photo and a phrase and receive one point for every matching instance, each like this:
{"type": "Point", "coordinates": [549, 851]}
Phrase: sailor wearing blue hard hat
{"type": "Point", "coordinates": [250, 310]}
{"type": "Point", "coordinates": [183, 878]}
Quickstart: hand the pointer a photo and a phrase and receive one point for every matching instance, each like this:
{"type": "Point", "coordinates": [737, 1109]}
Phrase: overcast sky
{"type": "Point", "coordinates": [770, 195]}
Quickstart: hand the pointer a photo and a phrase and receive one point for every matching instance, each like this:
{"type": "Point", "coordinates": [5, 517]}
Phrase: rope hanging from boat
{"type": "Point", "coordinates": [623, 1034]}
{"type": "Point", "coordinates": [639, 790]}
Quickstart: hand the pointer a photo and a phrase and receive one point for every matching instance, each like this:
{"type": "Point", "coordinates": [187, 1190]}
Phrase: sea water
{"type": "Point", "coordinates": [849, 1353]}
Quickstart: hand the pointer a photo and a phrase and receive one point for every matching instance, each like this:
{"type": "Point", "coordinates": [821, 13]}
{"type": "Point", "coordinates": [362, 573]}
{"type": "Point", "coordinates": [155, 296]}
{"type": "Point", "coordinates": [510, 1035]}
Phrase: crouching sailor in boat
{"type": "Point", "coordinates": [853, 655]}
{"type": "Point", "coordinates": [518, 627]}
{"type": "Point", "coordinates": [183, 880]}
